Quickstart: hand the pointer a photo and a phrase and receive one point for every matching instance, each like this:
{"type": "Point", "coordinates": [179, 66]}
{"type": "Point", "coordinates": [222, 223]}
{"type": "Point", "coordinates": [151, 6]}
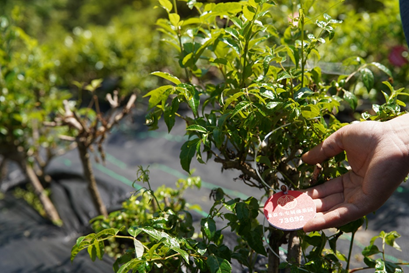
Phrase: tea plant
{"type": "Point", "coordinates": [89, 128]}
{"type": "Point", "coordinates": [243, 79]}
{"type": "Point", "coordinates": [29, 95]}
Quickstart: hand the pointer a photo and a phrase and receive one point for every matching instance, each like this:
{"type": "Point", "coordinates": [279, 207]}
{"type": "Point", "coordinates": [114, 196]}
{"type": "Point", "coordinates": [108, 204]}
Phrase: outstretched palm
{"type": "Point", "coordinates": [378, 154]}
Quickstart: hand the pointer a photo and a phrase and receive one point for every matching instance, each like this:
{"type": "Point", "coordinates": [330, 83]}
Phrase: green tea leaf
{"type": "Point", "coordinates": [139, 248]}
{"type": "Point", "coordinates": [218, 137]}
{"type": "Point", "coordinates": [192, 97]}
{"type": "Point", "coordinates": [351, 99]}
{"type": "Point", "coordinates": [188, 151]}
{"type": "Point", "coordinates": [370, 262]}
{"type": "Point", "coordinates": [370, 250]}
{"type": "Point", "coordinates": [390, 239]}
{"type": "Point", "coordinates": [310, 111]}
{"type": "Point", "coordinates": [232, 99]}
{"type": "Point", "coordinates": [255, 240]}
{"type": "Point", "coordinates": [196, 128]}
{"type": "Point", "coordinates": [352, 226]}
{"type": "Point", "coordinates": [166, 4]}
{"type": "Point", "coordinates": [174, 18]}
{"type": "Point", "coordinates": [218, 265]}
{"type": "Point", "coordinates": [248, 13]}
{"type": "Point", "coordinates": [130, 265]}
{"type": "Point", "coordinates": [227, 8]}
{"type": "Point", "coordinates": [134, 231]}
{"type": "Point", "coordinates": [158, 94]}
{"type": "Point", "coordinates": [209, 227]}
{"type": "Point", "coordinates": [367, 78]}
{"type": "Point", "coordinates": [239, 107]}
{"type": "Point", "coordinates": [107, 233]}
{"type": "Point", "coordinates": [167, 76]}
{"type": "Point", "coordinates": [383, 68]}
{"type": "Point", "coordinates": [92, 251]}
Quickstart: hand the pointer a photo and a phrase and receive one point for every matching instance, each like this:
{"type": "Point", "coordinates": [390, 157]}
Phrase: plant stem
{"type": "Point", "coordinates": [351, 244]}
{"type": "Point", "coordinates": [89, 176]}
{"type": "Point", "coordinates": [273, 260]}
{"type": "Point", "coordinates": [246, 48]}
{"type": "Point", "coordinates": [49, 207]}
{"type": "Point", "coordinates": [294, 250]}
{"type": "Point", "coordinates": [176, 6]}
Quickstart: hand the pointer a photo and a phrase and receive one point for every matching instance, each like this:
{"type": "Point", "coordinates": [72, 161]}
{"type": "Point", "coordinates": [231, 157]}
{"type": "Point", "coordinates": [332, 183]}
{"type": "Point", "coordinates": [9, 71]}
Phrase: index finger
{"type": "Point", "coordinates": [328, 148]}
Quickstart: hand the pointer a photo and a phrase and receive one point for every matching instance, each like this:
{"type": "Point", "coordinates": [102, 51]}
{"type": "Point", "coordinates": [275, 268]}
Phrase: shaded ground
{"type": "Point", "coordinates": [30, 244]}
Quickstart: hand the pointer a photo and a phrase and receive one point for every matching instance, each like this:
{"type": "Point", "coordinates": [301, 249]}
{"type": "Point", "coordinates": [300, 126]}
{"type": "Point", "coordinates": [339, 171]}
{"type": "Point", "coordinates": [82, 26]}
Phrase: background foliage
{"type": "Point", "coordinates": [65, 44]}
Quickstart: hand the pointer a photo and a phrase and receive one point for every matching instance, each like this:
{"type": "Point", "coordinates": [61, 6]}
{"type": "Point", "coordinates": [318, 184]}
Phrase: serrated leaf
{"type": "Point", "coordinates": [367, 78]}
{"type": "Point", "coordinates": [167, 76]}
{"type": "Point", "coordinates": [139, 248]}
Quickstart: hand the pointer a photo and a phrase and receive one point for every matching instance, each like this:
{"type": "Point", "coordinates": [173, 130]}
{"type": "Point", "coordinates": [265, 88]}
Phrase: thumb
{"type": "Point", "coordinates": [328, 148]}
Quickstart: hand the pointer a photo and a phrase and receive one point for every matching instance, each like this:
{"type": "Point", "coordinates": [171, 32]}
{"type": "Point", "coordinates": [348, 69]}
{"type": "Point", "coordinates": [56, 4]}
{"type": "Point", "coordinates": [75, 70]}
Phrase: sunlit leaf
{"type": "Point", "coordinates": [166, 4]}
{"type": "Point", "coordinates": [167, 76]}
{"type": "Point", "coordinates": [367, 78]}
{"type": "Point", "coordinates": [139, 248]}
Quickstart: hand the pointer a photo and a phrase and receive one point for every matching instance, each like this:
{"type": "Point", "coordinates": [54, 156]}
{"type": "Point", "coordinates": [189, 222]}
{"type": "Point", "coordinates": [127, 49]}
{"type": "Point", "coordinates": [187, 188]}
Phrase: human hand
{"type": "Point", "coordinates": [378, 154]}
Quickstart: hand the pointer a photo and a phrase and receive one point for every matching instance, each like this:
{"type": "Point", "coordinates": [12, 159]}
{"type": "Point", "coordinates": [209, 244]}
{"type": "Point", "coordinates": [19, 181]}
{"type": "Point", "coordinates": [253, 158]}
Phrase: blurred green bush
{"type": "Point", "coordinates": [116, 41]}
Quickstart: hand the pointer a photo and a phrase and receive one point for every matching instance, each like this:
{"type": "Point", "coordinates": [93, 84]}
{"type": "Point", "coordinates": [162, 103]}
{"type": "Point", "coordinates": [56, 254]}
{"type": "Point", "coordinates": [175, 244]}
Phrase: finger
{"type": "Point", "coordinates": [328, 148]}
{"type": "Point", "coordinates": [328, 188]}
{"type": "Point", "coordinates": [329, 202]}
{"type": "Point", "coordinates": [334, 218]}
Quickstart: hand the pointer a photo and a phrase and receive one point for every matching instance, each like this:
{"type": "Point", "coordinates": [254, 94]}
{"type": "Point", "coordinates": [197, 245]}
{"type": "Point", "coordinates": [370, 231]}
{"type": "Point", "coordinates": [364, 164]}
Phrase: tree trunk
{"type": "Point", "coordinates": [49, 207]}
{"type": "Point", "coordinates": [273, 260]}
{"type": "Point", "coordinates": [294, 250]}
{"type": "Point", "coordinates": [89, 176]}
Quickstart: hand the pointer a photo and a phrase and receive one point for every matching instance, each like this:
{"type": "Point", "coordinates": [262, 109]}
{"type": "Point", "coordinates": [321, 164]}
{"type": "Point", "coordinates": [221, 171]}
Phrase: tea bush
{"type": "Point", "coordinates": [255, 105]}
